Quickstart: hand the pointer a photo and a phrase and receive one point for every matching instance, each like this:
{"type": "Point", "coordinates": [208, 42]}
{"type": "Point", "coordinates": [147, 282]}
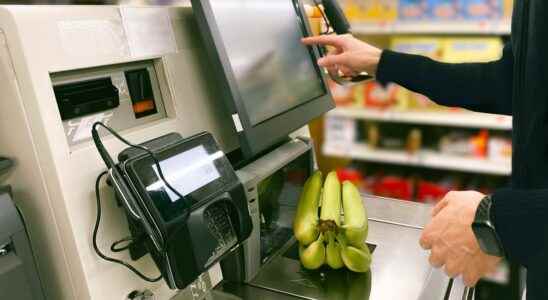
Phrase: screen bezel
{"type": "Point", "coordinates": [257, 139]}
{"type": "Point", "coordinates": [140, 171]}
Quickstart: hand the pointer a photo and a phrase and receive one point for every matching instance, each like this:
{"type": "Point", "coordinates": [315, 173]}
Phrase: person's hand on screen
{"type": "Point", "coordinates": [349, 55]}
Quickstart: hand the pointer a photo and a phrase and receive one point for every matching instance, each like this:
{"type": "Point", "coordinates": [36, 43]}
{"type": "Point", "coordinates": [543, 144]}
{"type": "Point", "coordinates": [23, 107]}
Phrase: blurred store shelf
{"type": "Point", "coordinates": [454, 119]}
{"type": "Point", "coordinates": [425, 158]}
{"type": "Point", "coordinates": [501, 27]}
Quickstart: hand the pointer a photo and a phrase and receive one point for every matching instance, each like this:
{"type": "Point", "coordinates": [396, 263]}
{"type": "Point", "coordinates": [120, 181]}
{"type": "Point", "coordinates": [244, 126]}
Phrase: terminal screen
{"type": "Point", "coordinates": [186, 172]}
{"type": "Point", "coordinates": [274, 71]}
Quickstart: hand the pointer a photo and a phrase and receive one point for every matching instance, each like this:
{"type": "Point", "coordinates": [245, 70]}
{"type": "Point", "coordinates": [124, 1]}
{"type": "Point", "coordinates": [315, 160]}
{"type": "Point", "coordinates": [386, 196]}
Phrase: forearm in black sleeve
{"type": "Point", "coordinates": [521, 222]}
{"type": "Point", "coordinates": [484, 87]}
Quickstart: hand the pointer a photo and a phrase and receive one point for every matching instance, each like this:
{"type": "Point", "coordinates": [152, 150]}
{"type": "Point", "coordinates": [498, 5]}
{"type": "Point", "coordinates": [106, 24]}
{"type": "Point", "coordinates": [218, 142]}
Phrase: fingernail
{"type": "Point", "coordinates": [321, 61]}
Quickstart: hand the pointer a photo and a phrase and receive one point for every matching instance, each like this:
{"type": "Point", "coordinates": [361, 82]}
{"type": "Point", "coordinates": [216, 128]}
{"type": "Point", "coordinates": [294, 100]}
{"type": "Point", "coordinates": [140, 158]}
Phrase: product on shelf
{"type": "Point", "coordinates": [441, 10]}
{"type": "Point", "coordinates": [388, 11]}
{"type": "Point", "coordinates": [376, 95]}
{"type": "Point", "coordinates": [508, 7]}
{"type": "Point", "coordinates": [414, 141]}
{"type": "Point", "coordinates": [339, 133]}
{"type": "Point", "coordinates": [394, 187]}
{"type": "Point", "coordinates": [351, 174]}
{"type": "Point", "coordinates": [500, 149]}
{"type": "Point", "coordinates": [479, 143]}
{"type": "Point", "coordinates": [312, 11]}
{"type": "Point", "coordinates": [427, 46]}
{"type": "Point", "coordinates": [393, 138]}
{"type": "Point", "coordinates": [463, 144]}
{"type": "Point", "coordinates": [343, 95]}
{"type": "Point", "coordinates": [371, 10]}
{"type": "Point", "coordinates": [413, 9]}
{"type": "Point", "coordinates": [415, 184]}
{"type": "Point", "coordinates": [481, 9]}
{"type": "Point", "coordinates": [481, 49]}
{"type": "Point", "coordinates": [373, 135]}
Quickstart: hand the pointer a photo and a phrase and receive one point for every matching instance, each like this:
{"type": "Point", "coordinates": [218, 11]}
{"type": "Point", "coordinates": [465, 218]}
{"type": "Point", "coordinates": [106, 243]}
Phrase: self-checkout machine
{"type": "Point", "coordinates": [144, 72]}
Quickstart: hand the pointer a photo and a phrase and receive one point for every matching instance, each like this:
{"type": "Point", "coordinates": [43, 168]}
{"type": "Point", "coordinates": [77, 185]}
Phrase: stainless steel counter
{"type": "Point", "coordinates": [399, 269]}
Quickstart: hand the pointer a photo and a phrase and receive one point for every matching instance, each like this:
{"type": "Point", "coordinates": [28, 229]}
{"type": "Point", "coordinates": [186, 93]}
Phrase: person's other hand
{"type": "Point", "coordinates": [451, 241]}
{"type": "Point", "coordinates": [350, 55]}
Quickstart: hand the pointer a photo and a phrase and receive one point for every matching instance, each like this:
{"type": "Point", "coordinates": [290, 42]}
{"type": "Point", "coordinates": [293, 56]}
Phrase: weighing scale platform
{"type": "Point", "coordinates": [399, 270]}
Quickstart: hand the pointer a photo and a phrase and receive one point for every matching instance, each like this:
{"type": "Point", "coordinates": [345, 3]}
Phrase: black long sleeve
{"type": "Point", "coordinates": [521, 222]}
{"type": "Point", "coordinates": [484, 87]}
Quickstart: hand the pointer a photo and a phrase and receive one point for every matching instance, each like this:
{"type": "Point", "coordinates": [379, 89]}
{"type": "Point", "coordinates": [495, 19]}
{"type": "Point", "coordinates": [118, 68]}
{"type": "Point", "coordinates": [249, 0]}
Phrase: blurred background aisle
{"type": "Point", "coordinates": [395, 143]}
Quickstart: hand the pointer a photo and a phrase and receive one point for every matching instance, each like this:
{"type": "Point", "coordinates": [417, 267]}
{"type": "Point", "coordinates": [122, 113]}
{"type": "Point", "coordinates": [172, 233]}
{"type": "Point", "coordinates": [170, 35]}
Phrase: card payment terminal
{"type": "Point", "coordinates": [185, 236]}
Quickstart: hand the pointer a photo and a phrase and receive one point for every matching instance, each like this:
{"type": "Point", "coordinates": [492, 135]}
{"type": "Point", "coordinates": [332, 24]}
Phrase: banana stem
{"type": "Point", "coordinates": [328, 226]}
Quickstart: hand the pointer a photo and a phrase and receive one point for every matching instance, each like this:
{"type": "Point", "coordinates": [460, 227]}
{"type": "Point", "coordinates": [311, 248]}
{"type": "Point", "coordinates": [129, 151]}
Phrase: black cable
{"type": "Point", "coordinates": [96, 229]}
{"type": "Point", "coordinates": [115, 247]}
{"type": "Point", "coordinates": [109, 160]}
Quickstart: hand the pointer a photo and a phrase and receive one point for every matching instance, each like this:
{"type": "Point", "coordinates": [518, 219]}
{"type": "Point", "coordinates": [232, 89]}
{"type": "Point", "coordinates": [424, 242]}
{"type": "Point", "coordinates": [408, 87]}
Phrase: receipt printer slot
{"type": "Point", "coordinates": [140, 90]}
{"type": "Point", "coordinates": [86, 97]}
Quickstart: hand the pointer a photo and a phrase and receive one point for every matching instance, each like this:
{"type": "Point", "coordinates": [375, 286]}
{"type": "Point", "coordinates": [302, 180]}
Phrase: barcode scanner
{"type": "Point", "coordinates": [337, 20]}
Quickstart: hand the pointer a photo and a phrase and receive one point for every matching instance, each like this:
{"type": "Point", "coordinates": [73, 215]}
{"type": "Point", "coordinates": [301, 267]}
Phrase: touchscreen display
{"type": "Point", "coordinates": [274, 71]}
{"type": "Point", "coordinates": [186, 172]}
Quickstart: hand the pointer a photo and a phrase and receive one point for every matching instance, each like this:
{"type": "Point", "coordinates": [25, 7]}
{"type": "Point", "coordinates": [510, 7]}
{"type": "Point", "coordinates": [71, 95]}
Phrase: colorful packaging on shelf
{"type": "Point", "coordinates": [394, 187]}
{"type": "Point", "coordinates": [440, 10]}
{"type": "Point", "coordinates": [414, 141]}
{"type": "Point", "coordinates": [482, 49]}
{"type": "Point", "coordinates": [372, 133]}
{"type": "Point", "coordinates": [351, 174]}
{"type": "Point", "coordinates": [500, 149]}
{"type": "Point", "coordinates": [378, 96]}
{"type": "Point", "coordinates": [463, 144]}
{"type": "Point", "coordinates": [343, 95]}
{"type": "Point", "coordinates": [371, 10]}
{"type": "Point", "coordinates": [428, 46]}
{"type": "Point", "coordinates": [413, 9]}
{"type": "Point", "coordinates": [481, 9]}
{"type": "Point", "coordinates": [339, 133]}
{"type": "Point", "coordinates": [508, 9]}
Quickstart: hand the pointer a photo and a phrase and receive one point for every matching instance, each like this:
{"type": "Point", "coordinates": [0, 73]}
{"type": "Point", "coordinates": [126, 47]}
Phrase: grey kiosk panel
{"type": "Point", "coordinates": [18, 275]}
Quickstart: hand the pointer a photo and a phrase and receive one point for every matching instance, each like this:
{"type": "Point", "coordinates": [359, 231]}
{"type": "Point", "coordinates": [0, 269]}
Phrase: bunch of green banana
{"type": "Point", "coordinates": [357, 259]}
{"type": "Point", "coordinates": [327, 239]}
{"type": "Point", "coordinates": [333, 252]}
{"type": "Point", "coordinates": [305, 225]}
{"type": "Point", "coordinates": [330, 215]}
{"type": "Point", "coordinates": [313, 256]}
{"type": "Point", "coordinates": [355, 217]}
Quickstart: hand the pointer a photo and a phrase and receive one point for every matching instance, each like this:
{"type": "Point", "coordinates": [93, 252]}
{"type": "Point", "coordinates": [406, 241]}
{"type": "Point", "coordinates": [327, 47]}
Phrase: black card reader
{"type": "Point", "coordinates": [182, 245]}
